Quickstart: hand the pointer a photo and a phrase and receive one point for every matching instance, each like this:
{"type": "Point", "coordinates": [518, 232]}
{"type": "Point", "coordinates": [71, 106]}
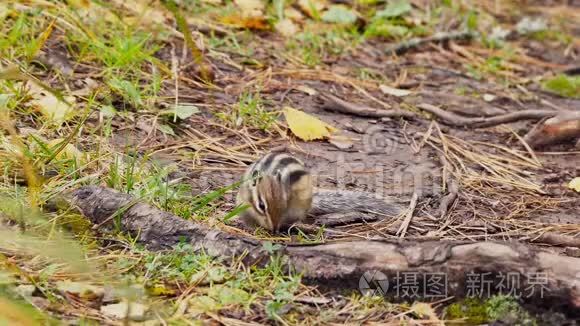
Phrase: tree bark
{"type": "Point", "coordinates": [352, 264]}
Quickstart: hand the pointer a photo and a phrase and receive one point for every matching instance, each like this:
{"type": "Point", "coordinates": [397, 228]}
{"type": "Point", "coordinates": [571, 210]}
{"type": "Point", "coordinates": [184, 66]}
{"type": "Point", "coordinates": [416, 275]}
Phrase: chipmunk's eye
{"type": "Point", "coordinates": [261, 205]}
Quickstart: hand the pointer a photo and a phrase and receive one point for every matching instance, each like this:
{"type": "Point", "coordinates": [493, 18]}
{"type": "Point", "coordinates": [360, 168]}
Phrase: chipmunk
{"type": "Point", "coordinates": [278, 190]}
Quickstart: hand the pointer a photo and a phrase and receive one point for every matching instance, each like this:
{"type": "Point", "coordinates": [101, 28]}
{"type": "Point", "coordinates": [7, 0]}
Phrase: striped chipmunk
{"type": "Point", "coordinates": [278, 190]}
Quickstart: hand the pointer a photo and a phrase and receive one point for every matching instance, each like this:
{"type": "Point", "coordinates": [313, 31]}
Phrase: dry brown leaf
{"type": "Point", "coordinates": [305, 126]}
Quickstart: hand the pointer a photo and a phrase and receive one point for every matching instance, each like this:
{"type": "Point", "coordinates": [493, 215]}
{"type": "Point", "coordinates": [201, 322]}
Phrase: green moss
{"type": "Point", "coordinates": [474, 311]}
{"type": "Point", "coordinates": [507, 308]}
{"type": "Point", "coordinates": [567, 86]}
{"type": "Point", "coordinates": [552, 35]}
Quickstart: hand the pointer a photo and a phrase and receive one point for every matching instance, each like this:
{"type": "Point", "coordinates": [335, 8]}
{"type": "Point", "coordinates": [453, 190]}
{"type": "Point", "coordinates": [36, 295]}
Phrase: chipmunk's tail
{"type": "Point", "coordinates": [335, 201]}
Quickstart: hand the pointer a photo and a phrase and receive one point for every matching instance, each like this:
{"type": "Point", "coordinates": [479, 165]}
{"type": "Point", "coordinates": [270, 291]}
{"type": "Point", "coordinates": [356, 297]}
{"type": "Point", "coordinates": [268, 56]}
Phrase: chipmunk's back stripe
{"type": "Point", "coordinates": [284, 162]}
{"type": "Point", "coordinates": [266, 161]}
{"type": "Point", "coordinates": [295, 175]}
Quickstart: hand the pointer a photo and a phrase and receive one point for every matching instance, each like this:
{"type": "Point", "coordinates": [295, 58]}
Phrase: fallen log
{"type": "Point", "coordinates": [378, 266]}
{"type": "Point", "coordinates": [561, 128]}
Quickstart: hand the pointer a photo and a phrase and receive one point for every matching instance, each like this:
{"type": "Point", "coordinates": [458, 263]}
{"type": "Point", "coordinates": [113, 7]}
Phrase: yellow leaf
{"type": "Point", "coordinates": [69, 152]}
{"type": "Point", "coordinates": [79, 3]}
{"type": "Point", "coordinates": [575, 184]}
{"type": "Point", "coordinates": [254, 23]}
{"type": "Point", "coordinates": [307, 127]}
{"type": "Point", "coordinates": [55, 110]}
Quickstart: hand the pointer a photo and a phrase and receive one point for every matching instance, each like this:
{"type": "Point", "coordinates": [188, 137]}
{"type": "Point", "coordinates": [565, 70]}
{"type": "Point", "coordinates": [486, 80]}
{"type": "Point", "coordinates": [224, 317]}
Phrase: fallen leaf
{"type": "Point", "coordinates": [339, 15]}
{"type": "Point", "coordinates": [10, 147]}
{"type": "Point", "coordinates": [6, 278]}
{"type": "Point", "coordinates": [424, 310]}
{"type": "Point", "coordinates": [312, 7]}
{"type": "Point", "coordinates": [69, 152]}
{"type": "Point", "coordinates": [307, 127]}
{"type": "Point", "coordinates": [394, 91]}
{"type": "Point", "coordinates": [228, 295]}
{"type": "Point", "coordinates": [202, 304]}
{"type": "Point", "coordinates": [286, 27]}
{"type": "Point", "coordinates": [108, 111]}
{"type": "Point", "coordinates": [182, 111]}
{"type": "Point", "coordinates": [254, 23]}
{"type": "Point", "coordinates": [213, 275]}
{"type": "Point", "coordinates": [293, 14]}
{"type": "Point", "coordinates": [4, 10]}
{"type": "Point", "coordinates": [575, 184]}
{"type": "Point", "coordinates": [25, 290]}
{"type": "Point", "coordinates": [79, 3]}
{"type": "Point", "coordinates": [165, 129]}
{"type": "Point", "coordinates": [121, 310]}
{"type": "Point", "coordinates": [341, 142]}
{"type": "Point", "coordinates": [488, 97]}
{"type": "Point", "coordinates": [499, 33]}
{"type": "Point", "coordinates": [55, 110]}
{"type": "Point", "coordinates": [251, 8]}
{"type": "Point", "coordinates": [82, 290]}
{"type": "Point", "coordinates": [531, 25]}
{"type": "Point", "coordinates": [160, 290]}
{"type": "Point", "coordinates": [4, 100]}
{"type": "Point", "coordinates": [394, 9]}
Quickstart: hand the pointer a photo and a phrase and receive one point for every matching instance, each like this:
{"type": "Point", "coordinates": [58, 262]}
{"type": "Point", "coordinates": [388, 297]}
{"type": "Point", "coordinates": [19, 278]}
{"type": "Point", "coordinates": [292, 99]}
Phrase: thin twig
{"type": "Point", "coordinates": [405, 225]}
{"type": "Point", "coordinates": [438, 37]}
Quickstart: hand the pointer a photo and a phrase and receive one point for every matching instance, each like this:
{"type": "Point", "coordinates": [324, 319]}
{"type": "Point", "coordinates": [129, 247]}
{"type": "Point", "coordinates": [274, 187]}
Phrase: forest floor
{"type": "Point", "coordinates": [112, 93]}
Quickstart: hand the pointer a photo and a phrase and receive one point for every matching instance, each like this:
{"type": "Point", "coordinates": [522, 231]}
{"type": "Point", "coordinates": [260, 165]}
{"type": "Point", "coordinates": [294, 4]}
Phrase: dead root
{"type": "Point", "coordinates": [335, 104]}
{"type": "Point", "coordinates": [453, 119]}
